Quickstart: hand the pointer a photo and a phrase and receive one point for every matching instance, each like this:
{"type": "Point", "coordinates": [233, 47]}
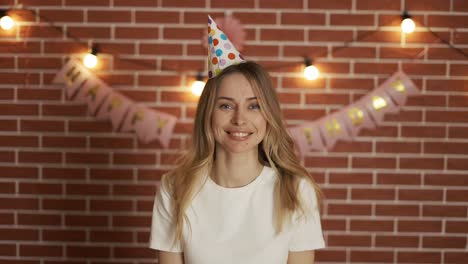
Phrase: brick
{"type": "Point", "coordinates": [289, 18]}
{"type": "Point", "coordinates": [328, 99]}
{"type": "Point", "coordinates": [40, 188]}
{"type": "Point", "coordinates": [282, 35]}
{"type": "Point", "coordinates": [275, 4]}
{"type": "Point", "coordinates": [86, 220]}
{"type": "Point", "coordinates": [452, 21]}
{"type": "Point", "coordinates": [350, 147]}
{"type": "Point", "coordinates": [349, 209]}
{"type": "Point", "coordinates": [64, 235]}
{"type": "Point", "coordinates": [64, 110]}
{"type": "Point", "coordinates": [334, 224]}
{"type": "Point", "coordinates": [181, 33]}
{"type": "Point", "coordinates": [111, 174]}
{"type": "Point", "coordinates": [137, 33]}
{"type": "Point", "coordinates": [400, 52]}
{"type": "Point", "coordinates": [460, 6]}
{"type": "Point", "coordinates": [118, 49]}
{"type": "Point", "coordinates": [18, 234]}
{"type": "Point", "coordinates": [144, 206]}
{"type": "Point", "coordinates": [456, 257]}
{"type": "Point", "coordinates": [160, 49]}
{"type": "Point", "coordinates": [7, 219]}
{"type": "Point", "coordinates": [87, 3]}
{"type": "Point", "coordinates": [445, 85]}
{"type": "Point", "coordinates": [335, 193]}
{"type": "Point", "coordinates": [302, 83]}
{"type": "Point", "coordinates": [40, 251]}
{"type": "Point", "coordinates": [129, 158]}
{"type": "Point", "coordinates": [18, 109]}
{"type": "Point", "coordinates": [114, 206]}
{"type": "Point", "coordinates": [330, 255]}
{"type": "Point", "coordinates": [131, 221]}
{"type": "Point", "coordinates": [423, 131]}
{"type": "Point", "coordinates": [160, 80]}
{"type": "Point", "coordinates": [457, 195]}
{"type": "Point", "coordinates": [457, 227]}
{"type": "Point", "coordinates": [302, 51]}
{"type": "Point", "coordinates": [396, 210]}
{"type": "Point", "coordinates": [444, 211]}
{"type": "Point", "coordinates": [448, 54]}
{"type": "Point", "coordinates": [350, 178]}
{"type": "Point", "coordinates": [381, 131]}
{"type": "Point", "coordinates": [372, 225]}
{"type": "Point", "coordinates": [40, 156]}
{"type": "Point", "coordinates": [8, 250]}
{"type": "Point", "coordinates": [108, 142]}
{"type": "Point", "coordinates": [143, 3]}
{"type": "Point", "coordinates": [458, 132]}
{"type": "Point", "coordinates": [371, 256]}
{"type": "Point", "coordinates": [7, 156]}
{"type": "Point", "coordinates": [233, 4]}
{"type": "Point", "coordinates": [42, 126]}
{"type": "Point", "coordinates": [374, 162]}
{"type": "Point", "coordinates": [63, 15]}
{"type": "Point", "coordinates": [349, 240]}
{"type": "Point", "coordinates": [183, 3]}
{"type": "Point", "coordinates": [351, 20]}
{"type": "Point", "coordinates": [359, 52]}
{"type": "Point", "coordinates": [87, 158]}
{"type": "Point", "coordinates": [326, 162]}
{"type": "Point", "coordinates": [88, 251]}
{"type": "Point", "coordinates": [422, 163]}
{"type": "Point", "coordinates": [19, 141]}
{"type": "Point", "coordinates": [458, 69]}
{"type": "Point", "coordinates": [457, 101]}
{"type": "Point", "coordinates": [112, 236]}
{"type": "Point", "coordinates": [344, 4]}
{"type": "Point", "coordinates": [90, 32]}
{"type": "Point", "coordinates": [261, 50]}
{"type": "Point", "coordinates": [150, 174]}
{"type": "Point", "coordinates": [427, 100]}
{"type": "Point", "coordinates": [28, 47]}
{"type": "Point", "coordinates": [399, 178]}
{"type": "Point", "coordinates": [379, 36]}
{"type": "Point", "coordinates": [457, 164]}
{"type": "Point", "coordinates": [39, 219]}
{"type": "Point", "coordinates": [39, 94]}
{"type": "Point", "coordinates": [445, 179]}
{"type": "Point", "coordinates": [418, 257]}
{"type": "Point", "coordinates": [396, 241]}
{"type": "Point", "coordinates": [19, 172]}
{"type": "Point", "coordinates": [64, 204]}
{"type": "Point", "coordinates": [63, 142]}
{"type": "Point", "coordinates": [398, 147]}
{"type": "Point", "coordinates": [446, 147]}
{"type": "Point", "coordinates": [420, 195]}
{"type": "Point", "coordinates": [372, 194]}
{"type": "Point", "coordinates": [377, 5]}
{"type": "Point", "coordinates": [64, 173]}
{"type": "Point", "coordinates": [359, 83]}
{"type": "Point", "coordinates": [302, 114]}
{"type": "Point", "coordinates": [8, 125]}
{"type": "Point", "coordinates": [89, 126]}
{"type": "Point", "coordinates": [87, 189]}
{"type": "Point", "coordinates": [256, 17]}
{"type": "Point", "coordinates": [42, 2]}
{"type": "Point", "coordinates": [419, 226]}
{"type": "Point", "coordinates": [133, 190]}
{"type": "Point", "coordinates": [109, 16]}
{"type": "Point", "coordinates": [39, 63]}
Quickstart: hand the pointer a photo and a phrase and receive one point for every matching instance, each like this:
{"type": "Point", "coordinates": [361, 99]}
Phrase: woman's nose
{"type": "Point", "coordinates": [239, 117]}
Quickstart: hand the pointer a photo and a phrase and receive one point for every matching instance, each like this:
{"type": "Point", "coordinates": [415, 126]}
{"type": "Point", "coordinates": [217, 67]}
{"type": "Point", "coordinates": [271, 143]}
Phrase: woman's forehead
{"type": "Point", "coordinates": [235, 86]}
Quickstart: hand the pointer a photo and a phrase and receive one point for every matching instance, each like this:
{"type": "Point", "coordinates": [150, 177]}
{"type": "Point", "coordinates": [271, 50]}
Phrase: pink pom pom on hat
{"type": "Point", "coordinates": [221, 52]}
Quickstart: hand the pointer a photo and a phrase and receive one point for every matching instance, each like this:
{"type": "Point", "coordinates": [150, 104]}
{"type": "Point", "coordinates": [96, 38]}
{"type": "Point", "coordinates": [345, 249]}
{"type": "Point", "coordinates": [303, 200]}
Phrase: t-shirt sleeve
{"type": "Point", "coordinates": [162, 225]}
{"type": "Point", "coordinates": [307, 230]}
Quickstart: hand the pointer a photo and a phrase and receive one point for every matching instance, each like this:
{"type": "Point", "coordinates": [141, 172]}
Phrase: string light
{"type": "Point", "coordinates": [91, 60]}
{"type": "Point", "coordinates": [407, 24]}
{"type": "Point", "coordinates": [6, 22]}
{"type": "Point", "coordinates": [198, 85]}
{"type": "Point", "coordinates": [310, 71]}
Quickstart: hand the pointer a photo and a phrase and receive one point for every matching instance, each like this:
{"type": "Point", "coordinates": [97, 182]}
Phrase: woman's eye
{"type": "Point", "coordinates": [254, 106]}
{"type": "Point", "coordinates": [225, 106]}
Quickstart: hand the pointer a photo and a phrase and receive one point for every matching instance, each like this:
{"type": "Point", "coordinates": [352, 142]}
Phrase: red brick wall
{"type": "Point", "coordinates": [73, 191]}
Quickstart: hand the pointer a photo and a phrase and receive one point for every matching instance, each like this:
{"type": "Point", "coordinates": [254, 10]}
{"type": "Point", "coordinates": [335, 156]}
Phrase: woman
{"type": "Point", "coordinates": [239, 195]}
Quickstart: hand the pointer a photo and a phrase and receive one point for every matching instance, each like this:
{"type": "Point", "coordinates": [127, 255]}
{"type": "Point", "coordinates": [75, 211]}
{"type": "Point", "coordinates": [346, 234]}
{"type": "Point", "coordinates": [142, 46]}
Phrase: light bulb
{"type": "Point", "coordinates": [311, 72]}
{"type": "Point", "coordinates": [6, 22]}
{"type": "Point", "coordinates": [197, 87]}
{"type": "Point", "coordinates": [407, 25]}
{"type": "Point", "coordinates": [90, 60]}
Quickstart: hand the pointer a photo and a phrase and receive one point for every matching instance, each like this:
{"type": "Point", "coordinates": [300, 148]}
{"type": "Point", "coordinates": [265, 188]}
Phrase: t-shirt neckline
{"type": "Point", "coordinates": [242, 188]}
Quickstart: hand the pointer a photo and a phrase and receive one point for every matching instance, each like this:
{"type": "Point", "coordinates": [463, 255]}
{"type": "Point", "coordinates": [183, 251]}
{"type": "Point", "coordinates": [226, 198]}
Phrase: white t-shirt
{"type": "Point", "coordinates": [235, 225]}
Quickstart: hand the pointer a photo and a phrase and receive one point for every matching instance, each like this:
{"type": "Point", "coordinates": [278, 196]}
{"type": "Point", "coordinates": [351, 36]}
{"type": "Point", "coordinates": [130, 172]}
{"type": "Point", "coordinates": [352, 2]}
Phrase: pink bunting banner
{"type": "Point", "coordinates": [367, 112]}
{"type": "Point", "coordinates": [104, 103]}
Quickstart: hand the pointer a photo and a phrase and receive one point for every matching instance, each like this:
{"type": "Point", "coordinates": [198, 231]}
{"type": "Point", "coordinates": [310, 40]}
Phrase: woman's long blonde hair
{"type": "Point", "coordinates": [276, 150]}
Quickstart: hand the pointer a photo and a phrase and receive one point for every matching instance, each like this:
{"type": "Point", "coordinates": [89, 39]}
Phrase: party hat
{"type": "Point", "coordinates": [221, 52]}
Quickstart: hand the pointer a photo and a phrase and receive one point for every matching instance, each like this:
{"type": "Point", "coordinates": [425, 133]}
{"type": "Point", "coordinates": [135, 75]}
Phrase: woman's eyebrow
{"type": "Point", "coordinates": [232, 99]}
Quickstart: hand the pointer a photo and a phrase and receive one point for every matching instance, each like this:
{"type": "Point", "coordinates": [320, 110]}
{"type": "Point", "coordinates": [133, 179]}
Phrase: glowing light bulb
{"type": "Point", "coordinates": [6, 22]}
{"type": "Point", "coordinates": [311, 72]}
{"type": "Point", "coordinates": [407, 25]}
{"type": "Point", "coordinates": [90, 60]}
{"type": "Point", "coordinates": [197, 87]}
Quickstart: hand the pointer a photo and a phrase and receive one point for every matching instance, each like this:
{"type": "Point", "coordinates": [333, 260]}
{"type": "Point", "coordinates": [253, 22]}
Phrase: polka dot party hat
{"type": "Point", "coordinates": [221, 52]}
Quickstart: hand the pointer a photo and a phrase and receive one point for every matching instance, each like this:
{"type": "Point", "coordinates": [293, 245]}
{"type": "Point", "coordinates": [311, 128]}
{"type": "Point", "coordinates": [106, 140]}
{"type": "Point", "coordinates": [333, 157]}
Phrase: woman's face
{"type": "Point", "coordinates": [237, 121]}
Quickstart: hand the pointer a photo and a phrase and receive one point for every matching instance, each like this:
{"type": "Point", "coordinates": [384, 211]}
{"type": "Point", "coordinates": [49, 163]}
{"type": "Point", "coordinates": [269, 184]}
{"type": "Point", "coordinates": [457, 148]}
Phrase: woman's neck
{"type": "Point", "coordinates": [235, 170]}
